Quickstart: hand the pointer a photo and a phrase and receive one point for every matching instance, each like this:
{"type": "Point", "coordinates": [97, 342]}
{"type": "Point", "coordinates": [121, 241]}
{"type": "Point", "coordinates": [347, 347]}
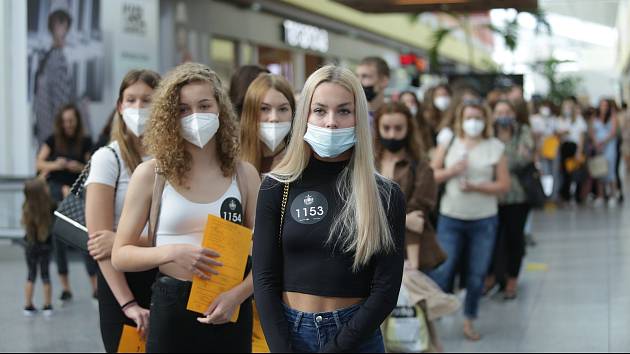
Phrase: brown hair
{"type": "Point", "coordinates": [432, 115]}
{"type": "Point", "coordinates": [126, 139]}
{"type": "Point", "coordinates": [163, 138]}
{"type": "Point", "coordinates": [415, 146]}
{"type": "Point", "coordinates": [239, 83]}
{"type": "Point", "coordinates": [251, 150]}
{"type": "Point", "coordinates": [485, 112]}
{"type": "Point", "coordinates": [36, 210]}
{"type": "Point", "coordinates": [65, 144]}
{"type": "Point", "coordinates": [381, 65]}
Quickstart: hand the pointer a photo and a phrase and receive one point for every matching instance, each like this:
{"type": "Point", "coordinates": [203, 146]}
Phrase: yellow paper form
{"type": "Point", "coordinates": [233, 242]}
{"type": "Point", "coordinates": [130, 341]}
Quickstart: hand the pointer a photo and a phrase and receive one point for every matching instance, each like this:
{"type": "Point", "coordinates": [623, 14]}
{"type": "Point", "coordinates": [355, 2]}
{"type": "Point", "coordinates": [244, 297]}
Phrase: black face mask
{"type": "Point", "coordinates": [393, 145]}
{"type": "Point", "coordinates": [370, 94]}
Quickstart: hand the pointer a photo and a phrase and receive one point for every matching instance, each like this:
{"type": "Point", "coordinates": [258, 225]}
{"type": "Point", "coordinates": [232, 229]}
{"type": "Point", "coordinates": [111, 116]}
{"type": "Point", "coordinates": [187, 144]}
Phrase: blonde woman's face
{"type": "Point", "coordinates": [332, 107]}
{"type": "Point", "coordinates": [275, 108]}
{"type": "Point", "coordinates": [137, 95]}
{"type": "Point", "coordinates": [197, 97]}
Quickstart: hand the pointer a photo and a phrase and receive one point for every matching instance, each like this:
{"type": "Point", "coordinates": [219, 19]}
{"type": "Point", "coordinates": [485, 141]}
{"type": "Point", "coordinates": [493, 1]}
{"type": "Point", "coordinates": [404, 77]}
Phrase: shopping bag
{"type": "Point", "coordinates": [406, 329]}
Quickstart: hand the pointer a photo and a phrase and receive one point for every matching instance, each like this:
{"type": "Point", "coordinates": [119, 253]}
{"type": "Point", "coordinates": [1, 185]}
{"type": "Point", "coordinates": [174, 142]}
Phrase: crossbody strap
{"type": "Point", "coordinates": [156, 203]}
{"type": "Point", "coordinates": [117, 163]}
{"type": "Point", "coordinates": [283, 208]}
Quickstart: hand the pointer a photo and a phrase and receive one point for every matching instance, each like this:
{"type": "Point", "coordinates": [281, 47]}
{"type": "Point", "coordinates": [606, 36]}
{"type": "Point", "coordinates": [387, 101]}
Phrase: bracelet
{"type": "Point", "coordinates": [127, 304]}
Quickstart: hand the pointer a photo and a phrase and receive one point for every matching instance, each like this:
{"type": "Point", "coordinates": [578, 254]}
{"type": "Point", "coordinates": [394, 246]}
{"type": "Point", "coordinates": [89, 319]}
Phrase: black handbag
{"type": "Point", "coordinates": [529, 177]}
{"type": "Point", "coordinates": [69, 226]}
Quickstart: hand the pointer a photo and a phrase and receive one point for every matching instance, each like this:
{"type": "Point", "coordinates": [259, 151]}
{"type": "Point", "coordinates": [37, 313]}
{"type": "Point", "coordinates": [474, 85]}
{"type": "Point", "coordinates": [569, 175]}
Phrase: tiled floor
{"type": "Point", "coordinates": [580, 302]}
{"type": "Point", "coordinates": [574, 296]}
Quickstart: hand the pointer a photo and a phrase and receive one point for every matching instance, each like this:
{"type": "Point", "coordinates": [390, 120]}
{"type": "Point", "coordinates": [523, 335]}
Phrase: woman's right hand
{"type": "Point", "coordinates": [100, 244]}
{"type": "Point", "coordinates": [197, 260]}
{"type": "Point", "coordinates": [415, 221]}
{"type": "Point", "coordinates": [140, 316]}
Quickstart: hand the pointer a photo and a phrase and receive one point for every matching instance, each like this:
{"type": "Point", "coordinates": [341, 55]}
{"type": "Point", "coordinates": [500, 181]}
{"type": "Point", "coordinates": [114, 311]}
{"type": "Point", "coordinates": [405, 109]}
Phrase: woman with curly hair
{"type": "Point", "coordinates": [192, 136]}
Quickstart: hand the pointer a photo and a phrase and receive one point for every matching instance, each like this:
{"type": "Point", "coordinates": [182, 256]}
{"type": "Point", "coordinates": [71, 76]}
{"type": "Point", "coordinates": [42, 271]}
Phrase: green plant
{"type": "Point", "coordinates": [559, 87]}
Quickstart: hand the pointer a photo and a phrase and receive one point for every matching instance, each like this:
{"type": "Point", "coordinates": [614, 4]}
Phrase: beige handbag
{"type": "Point", "coordinates": [598, 166]}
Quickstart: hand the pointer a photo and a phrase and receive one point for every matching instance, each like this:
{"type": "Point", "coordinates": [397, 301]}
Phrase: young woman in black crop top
{"type": "Point", "coordinates": [327, 271]}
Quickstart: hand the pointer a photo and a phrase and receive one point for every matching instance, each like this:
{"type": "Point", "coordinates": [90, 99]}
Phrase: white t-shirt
{"type": "Point", "coordinates": [482, 160]}
{"type": "Point", "coordinates": [104, 170]}
{"type": "Point", "coordinates": [445, 136]}
{"type": "Point", "coordinates": [576, 129]}
{"type": "Point", "coordinates": [543, 126]}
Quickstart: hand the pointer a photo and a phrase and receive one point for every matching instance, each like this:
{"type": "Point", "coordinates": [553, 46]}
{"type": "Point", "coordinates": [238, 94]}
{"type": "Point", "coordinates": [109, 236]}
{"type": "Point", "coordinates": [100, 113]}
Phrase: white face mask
{"type": "Point", "coordinates": [442, 102]}
{"type": "Point", "coordinates": [545, 111]}
{"type": "Point", "coordinates": [473, 127]}
{"type": "Point", "coordinates": [413, 110]}
{"type": "Point", "coordinates": [330, 142]}
{"type": "Point", "coordinates": [136, 119]}
{"type": "Point", "coordinates": [272, 134]}
{"type": "Point", "coordinates": [199, 128]}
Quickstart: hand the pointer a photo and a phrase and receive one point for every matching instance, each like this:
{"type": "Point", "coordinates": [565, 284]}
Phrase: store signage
{"type": "Point", "coordinates": [304, 36]}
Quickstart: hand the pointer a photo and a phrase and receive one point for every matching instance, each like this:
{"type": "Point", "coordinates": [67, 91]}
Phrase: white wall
{"type": "Point", "coordinates": [16, 152]}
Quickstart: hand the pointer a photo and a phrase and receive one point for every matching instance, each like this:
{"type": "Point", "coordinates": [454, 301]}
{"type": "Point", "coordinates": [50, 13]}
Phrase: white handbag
{"type": "Point", "coordinates": [598, 166]}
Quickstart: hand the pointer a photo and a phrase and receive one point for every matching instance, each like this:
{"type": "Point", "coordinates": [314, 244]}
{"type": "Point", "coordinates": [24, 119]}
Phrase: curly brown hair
{"type": "Point", "coordinates": [163, 137]}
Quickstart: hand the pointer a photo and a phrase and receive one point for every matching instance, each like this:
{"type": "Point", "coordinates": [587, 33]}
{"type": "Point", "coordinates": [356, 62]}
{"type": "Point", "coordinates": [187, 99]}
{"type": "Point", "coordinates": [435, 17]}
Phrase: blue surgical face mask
{"type": "Point", "coordinates": [505, 121]}
{"type": "Point", "coordinates": [330, 143]}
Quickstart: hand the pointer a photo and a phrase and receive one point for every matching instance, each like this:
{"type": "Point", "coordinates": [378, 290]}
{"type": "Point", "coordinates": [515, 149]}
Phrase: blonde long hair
{"type": "Point", "coordinates": [251, 149]}
{"type": "Point", "coordinates": [361, 227]}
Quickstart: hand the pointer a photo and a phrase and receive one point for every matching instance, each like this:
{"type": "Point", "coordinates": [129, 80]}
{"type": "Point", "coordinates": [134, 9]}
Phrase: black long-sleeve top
{"type": "Point", "coordinates": [305, 263]}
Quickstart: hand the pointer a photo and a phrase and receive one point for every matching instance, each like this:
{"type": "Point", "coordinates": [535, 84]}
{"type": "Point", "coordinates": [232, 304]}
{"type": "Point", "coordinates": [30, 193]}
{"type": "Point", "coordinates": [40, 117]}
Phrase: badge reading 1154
{"type": "Point", "coordinates": [309, 208]}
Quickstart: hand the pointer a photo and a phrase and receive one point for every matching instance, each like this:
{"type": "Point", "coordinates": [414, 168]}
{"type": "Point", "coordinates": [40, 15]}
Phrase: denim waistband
{"type": "Point", "coordinates": [169, 285]}
{"type": "Point", "coordinates": [320, 319]}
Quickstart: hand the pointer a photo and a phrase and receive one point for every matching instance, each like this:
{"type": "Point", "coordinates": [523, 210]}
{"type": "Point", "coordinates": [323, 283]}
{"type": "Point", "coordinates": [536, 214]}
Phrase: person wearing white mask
{"type": "Point", "coordinates": [266, 120]}
{"type": "Point", "coordinates": [437, 101]}
{"type": "Point", "coordinates": [475, 171]}
{"type": "Point", "coordinates": [123, 298]}
{"type": "Point", "coordinates": [410, 100]}
{"type": "Point", "coordinates": [330, 232]}
{"type": "Point", "coordinates": [192, 136]}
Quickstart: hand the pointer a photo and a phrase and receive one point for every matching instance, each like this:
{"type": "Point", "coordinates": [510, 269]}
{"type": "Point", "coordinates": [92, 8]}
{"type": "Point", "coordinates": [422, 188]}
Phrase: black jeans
{"type": "Point", "coordinates": [174, 329]}
{"type": "Point", "coordinates": [510, 246]}
{"type": "Point", "coordinates": [568, 150]}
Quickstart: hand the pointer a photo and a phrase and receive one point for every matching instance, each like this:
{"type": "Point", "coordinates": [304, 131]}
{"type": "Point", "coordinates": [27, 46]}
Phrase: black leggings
{"type": "Point", "coordinates": [510, 246]}
{"type": "Point", "coordinates": [112, 318]}
{"type": "Point", "coordinates": [62, 260]}
{"type": "Point", "coordinates": [174, 329]}
{"type": "Point", "coordinates": [38, 255]}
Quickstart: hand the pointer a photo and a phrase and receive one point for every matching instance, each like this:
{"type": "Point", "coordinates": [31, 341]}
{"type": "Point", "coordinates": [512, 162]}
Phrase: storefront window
{"type": "Point", "coordinates": [278, 61]}
{"type": "Point", "coordinates": [223, 57]}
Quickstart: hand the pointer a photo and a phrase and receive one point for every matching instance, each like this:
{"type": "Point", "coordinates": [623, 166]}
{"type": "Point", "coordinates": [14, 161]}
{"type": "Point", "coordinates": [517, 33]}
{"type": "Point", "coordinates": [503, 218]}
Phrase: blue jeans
{"type": "Point", "coordinates": [310, 332]}
{"type": "Point", "coordinates": [475, 239]}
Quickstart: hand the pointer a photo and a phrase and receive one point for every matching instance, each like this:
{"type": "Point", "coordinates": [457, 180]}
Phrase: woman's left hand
{"type": "Point", "coordinates": [222, 309]}
{"type": "Point", "coordinates": [467, 187]}
{"type": "Point", "coordinates": [100, 244]}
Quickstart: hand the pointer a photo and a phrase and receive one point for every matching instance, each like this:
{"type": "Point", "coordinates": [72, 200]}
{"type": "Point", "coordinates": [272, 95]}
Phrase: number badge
{"type": "Point", "coordinates": [309, 208]}
{"type": "Point", "coordinates": [232, 210]}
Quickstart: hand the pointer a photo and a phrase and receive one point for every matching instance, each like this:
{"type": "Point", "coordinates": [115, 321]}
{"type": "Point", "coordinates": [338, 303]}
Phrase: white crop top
{"type": "Point", "coordinates": [183, 221]}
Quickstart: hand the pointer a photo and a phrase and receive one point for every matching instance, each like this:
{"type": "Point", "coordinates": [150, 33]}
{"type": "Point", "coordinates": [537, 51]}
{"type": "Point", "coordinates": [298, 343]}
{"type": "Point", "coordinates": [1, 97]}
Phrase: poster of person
{"type": "Point", "coordinates": [65, 60]}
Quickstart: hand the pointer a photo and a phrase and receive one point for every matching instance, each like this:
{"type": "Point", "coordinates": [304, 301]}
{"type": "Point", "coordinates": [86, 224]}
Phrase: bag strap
{"type": "Point", "coordinates": [117, 163]}
{"type": "Point", "coordinates": [79, 183]}
{"type": "Point", "coordinates": [283, 208]}
{"type": "Point", "coordinates": [242, 187]}
{"type": "Point", "coordinates": [156, 203]}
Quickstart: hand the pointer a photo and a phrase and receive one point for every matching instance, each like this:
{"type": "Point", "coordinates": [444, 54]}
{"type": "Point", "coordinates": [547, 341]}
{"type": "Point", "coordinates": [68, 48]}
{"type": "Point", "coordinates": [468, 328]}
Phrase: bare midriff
{"type": "Point", "coordinates": [312, 303]}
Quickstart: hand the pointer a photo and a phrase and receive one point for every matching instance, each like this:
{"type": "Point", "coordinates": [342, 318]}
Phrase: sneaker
{"type": "Point", "coordinates": [30, 311]}
{"type": "Point", "coordinates": [47, 310]}
{"type": "Point", "coordinates": [598, 203]}
{"type": "Point", "coordinates": [612, 202]}
{"type": "Point", "coordinates": [66, 296]}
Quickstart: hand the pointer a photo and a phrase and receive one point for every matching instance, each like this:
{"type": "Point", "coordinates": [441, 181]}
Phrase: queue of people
{"type": "Point", "coordinates": [347, 194]}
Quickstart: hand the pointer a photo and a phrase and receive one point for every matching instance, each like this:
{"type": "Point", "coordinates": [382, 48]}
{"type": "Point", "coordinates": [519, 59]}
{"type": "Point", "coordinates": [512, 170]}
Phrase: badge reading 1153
{"type": "Point", "coordinates": [309, 208]}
